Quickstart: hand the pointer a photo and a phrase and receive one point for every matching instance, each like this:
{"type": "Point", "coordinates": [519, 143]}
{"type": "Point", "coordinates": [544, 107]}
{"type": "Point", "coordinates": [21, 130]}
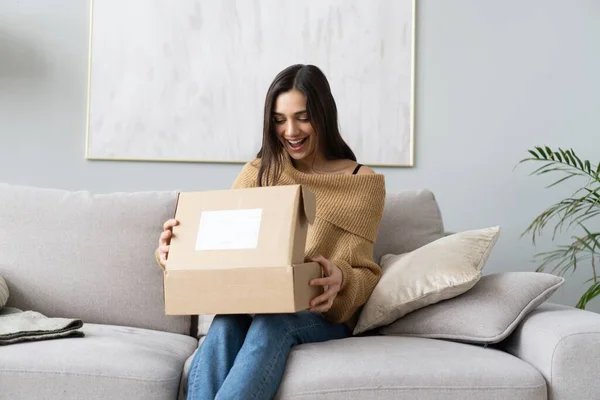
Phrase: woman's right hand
{"type": "Point", "coordinates": [165, 241]}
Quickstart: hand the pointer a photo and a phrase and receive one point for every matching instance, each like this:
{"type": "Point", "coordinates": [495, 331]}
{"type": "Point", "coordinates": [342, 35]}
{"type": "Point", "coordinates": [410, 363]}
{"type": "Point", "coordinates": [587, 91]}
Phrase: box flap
{"type": "Point", "coordinates": [309, 202]}
{"type": "Point", "coordinates": [254, 227]}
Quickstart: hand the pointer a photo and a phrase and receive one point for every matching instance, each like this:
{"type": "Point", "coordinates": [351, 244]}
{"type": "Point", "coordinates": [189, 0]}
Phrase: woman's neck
{"type": "Point", "coordinates": [311, 165]}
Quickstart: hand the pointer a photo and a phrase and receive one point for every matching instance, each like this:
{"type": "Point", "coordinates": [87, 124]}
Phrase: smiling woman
{"type": "Point", "coordinates": [301, 144]}
{"type": "Point", "coordinates": [301, 116]}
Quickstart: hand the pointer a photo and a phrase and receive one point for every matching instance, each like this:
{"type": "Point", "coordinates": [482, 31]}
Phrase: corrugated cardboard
{"type": "Point", "coordinates": [241, 251]}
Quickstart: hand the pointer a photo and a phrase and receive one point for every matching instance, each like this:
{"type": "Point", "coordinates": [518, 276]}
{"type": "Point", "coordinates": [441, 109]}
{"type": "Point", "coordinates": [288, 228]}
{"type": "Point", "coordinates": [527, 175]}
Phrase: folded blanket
{"type": "Point", "coordinates": [3, 292]}
{"type": "Point", "coordinates": [21, 326]}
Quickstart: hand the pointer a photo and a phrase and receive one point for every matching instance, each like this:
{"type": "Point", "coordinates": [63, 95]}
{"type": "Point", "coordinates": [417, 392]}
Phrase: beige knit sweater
{"type": "Point", "coordinates": [349, 210]}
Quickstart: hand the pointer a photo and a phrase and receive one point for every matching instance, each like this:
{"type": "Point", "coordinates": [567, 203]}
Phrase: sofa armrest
{"type": "Point", "coordinates": [563, 344]}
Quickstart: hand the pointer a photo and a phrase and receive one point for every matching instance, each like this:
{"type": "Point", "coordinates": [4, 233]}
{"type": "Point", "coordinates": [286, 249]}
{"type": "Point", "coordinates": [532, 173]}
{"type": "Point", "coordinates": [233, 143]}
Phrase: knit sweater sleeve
{"type": "Point", "coordinates": [360, 275]}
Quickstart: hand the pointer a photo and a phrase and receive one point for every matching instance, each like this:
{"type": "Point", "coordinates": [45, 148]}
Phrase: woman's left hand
{"type": "Point", "coordinates": [332, 283]}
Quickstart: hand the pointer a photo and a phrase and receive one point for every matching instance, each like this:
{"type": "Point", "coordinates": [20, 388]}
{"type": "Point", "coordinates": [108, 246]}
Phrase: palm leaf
{"type": "Point", "coordinates": [592, 292]}
{"type": "Point", "coordinates": [595, 194]}
{"type": "Point", "coordinates": [591, 237]}
{"type": "Point", "coordinates": [543, 167]}
{"type": "Point", "coordinates": [566, 209]}
{"type": "Point", "coordinates": [584, 217]}
{"type": "Point", "coordinates": [560, 264]}
{"type": "Point", "coordinates": [571, 158]}
{"type": "Point", "coordinates": [569, 176]}
{"type": "Point", "coordinates": [557, 165]}
{"type": "Point", "coordinates": [558, 156]}
{"type": "Point", "coordinates": [573, 211]}
{"type": "Point", "coordinates": [565, 156]}
{"type": "Point", "coordinates": [579, 162]}
{"type": "Point", "coordinates": [579, 209]}
{"type": "Point", "coordinates": [541, 152]}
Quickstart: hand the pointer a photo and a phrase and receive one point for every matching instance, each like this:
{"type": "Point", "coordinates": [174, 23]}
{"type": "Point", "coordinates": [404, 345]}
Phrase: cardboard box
{"type": "Point", "coordinates": [241, 251]}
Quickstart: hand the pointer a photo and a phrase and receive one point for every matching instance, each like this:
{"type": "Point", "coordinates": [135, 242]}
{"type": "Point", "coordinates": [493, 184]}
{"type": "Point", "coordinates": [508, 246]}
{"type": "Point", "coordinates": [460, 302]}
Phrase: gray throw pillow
{"type": "Point", "coordinates": [486, 314]}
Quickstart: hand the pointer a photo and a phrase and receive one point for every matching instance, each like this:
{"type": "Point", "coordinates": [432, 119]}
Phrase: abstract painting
{"type": "Point", "coordinates": [185, 81]}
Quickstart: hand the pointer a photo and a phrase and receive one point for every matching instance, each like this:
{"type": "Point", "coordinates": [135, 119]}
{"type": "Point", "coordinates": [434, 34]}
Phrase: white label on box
{"type": "Point", "coordinates": [229, 229]}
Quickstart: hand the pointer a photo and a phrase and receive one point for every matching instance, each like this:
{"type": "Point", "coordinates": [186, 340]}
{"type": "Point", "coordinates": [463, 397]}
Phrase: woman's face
{"type": "Point", "coordinates": [293, 126]}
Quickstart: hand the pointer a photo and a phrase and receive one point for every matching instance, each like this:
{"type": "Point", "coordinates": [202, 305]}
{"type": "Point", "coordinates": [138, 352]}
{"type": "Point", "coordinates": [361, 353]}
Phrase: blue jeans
{"type": "Point", "coordinates": [244, 357]}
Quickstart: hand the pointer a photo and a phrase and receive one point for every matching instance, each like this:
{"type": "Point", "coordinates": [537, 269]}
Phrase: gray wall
{"type": "Point", "coordinates": [493, 79]}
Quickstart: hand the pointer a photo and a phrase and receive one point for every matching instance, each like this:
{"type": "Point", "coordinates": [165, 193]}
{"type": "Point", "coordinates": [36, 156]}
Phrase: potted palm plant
{"type": "Point", "coordinates": [572, 214]}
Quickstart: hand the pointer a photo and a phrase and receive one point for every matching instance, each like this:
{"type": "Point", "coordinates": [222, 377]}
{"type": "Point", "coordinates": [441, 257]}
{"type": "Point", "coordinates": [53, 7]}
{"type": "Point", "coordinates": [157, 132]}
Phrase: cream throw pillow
{"type": "Point", "coordinates": [440, 270]}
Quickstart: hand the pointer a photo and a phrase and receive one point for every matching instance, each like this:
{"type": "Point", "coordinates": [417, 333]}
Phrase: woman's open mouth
{"type": "Point", "coordinates": [296, 144]}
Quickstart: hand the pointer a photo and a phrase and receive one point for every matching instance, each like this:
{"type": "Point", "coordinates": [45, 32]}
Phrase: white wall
{"type": "Point", "coordinates": [493, 79]}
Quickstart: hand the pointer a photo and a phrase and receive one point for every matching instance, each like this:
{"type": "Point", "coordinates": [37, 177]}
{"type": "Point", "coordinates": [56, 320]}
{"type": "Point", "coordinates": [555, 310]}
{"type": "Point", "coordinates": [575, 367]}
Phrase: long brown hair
{"type": "Point", "coordinates": [322, 113]}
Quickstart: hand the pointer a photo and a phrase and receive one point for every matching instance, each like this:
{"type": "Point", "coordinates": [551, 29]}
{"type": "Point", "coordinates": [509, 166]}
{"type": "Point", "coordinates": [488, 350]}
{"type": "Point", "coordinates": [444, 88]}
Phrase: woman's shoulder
{"type": "Point", "coordinates": [248, 175]}
{"type": "Point", "coordinates": [251, 167]}
{"type": "Point", "coordinates": [252, 164]}
{"type": "Point", "coordinates": [364, 170]}
{"type": "Point", "coordinates": [350, 167]}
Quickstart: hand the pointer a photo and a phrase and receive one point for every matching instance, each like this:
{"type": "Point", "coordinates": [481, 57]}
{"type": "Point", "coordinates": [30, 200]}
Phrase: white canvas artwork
{"type": "Point", "coordinates": [186, 80]}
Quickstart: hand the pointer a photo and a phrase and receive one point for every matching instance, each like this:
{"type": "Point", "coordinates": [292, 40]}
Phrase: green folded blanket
{"type": "Point", "coordinates": [22, 326]}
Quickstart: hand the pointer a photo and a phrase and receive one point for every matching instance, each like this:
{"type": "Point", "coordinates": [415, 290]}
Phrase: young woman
{"type": "Point", "coordinates": [244, 357]}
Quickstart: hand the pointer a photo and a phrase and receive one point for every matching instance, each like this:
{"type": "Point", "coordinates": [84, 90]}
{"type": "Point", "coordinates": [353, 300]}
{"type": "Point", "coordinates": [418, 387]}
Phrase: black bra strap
{"type": "Point", "coordinates": [356, 169]}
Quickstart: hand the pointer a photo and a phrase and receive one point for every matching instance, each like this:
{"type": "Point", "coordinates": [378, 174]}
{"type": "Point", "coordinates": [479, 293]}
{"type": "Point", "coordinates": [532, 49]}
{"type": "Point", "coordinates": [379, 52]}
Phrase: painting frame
{"type": "Point", "coordinates": [411, 135]}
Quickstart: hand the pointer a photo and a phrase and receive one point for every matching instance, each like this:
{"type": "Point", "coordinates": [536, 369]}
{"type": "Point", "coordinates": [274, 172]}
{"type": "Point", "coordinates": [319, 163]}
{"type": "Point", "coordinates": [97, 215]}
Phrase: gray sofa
{"type": "Point", "coordinates": [78, 255]}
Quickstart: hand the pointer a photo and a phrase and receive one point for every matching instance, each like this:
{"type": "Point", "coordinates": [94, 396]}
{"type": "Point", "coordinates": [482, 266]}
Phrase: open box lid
{"type": "Point", "coordinates": [254, 227]}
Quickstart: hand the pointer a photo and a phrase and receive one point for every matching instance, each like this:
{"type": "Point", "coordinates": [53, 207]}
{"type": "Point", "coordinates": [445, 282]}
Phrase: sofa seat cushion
{"type": "Point", "coordinates": [407, 368]}
{"type": "Point", "coordinates": [110, 362]}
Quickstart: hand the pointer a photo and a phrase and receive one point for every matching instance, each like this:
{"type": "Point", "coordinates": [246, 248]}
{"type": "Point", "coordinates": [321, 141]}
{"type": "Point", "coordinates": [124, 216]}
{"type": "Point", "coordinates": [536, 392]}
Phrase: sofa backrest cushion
{"type": "Point", "coordinates": [88, 256]}
{"type": "Point", "coordinates": [411, 219]}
